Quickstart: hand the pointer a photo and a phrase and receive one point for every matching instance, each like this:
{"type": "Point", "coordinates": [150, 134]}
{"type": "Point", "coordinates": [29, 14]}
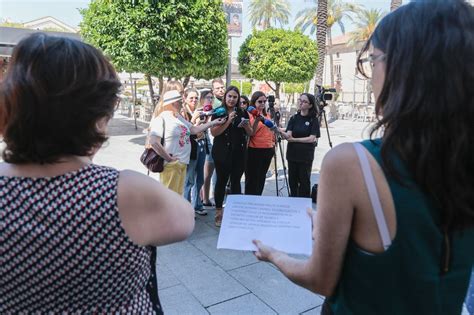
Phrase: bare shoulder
{"type": "Point", "coordinates": [129, 176]}
{"type": "Point", "coordinates": [134, 187]}
{"type": "Point", "coordinates": [341, 159]}
{"type": "Point", "coordinates": [4, 169]}
{"type": "Point", "coordinates": [133, 202]}
{"type": "Point", "coordinates": [151, 214]}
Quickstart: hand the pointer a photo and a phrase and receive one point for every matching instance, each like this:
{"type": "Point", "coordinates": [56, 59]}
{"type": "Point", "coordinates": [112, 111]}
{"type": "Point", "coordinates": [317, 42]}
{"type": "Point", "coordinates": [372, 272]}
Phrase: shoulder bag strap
{"type": "Point", "coordinates": [163, 138]}
{"type": "Point", "coordinates": [374, 196]}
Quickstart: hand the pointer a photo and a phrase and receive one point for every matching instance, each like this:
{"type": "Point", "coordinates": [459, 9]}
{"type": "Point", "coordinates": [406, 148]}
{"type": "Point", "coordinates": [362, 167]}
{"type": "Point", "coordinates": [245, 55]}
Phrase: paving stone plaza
{"type": "Point", "coordinates": [196, 278]}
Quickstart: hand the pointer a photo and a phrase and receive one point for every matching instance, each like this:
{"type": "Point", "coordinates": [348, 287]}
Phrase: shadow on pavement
{"type": "Point", "coordinates": [138, 140]}
{"type": "Point", "coordinates": [122, 126]}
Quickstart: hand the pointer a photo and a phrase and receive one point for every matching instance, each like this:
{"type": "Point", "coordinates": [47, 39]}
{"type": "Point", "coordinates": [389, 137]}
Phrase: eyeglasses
{"type": "Point", "coordinates": [244, 102]}
{"type": "Point", "coordinates": [261, 102]}
{"type": "Point", "coordinates": [371, 59]}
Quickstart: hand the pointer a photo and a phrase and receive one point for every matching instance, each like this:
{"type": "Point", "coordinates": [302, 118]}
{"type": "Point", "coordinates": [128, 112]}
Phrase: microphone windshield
{"type": "Point", "coordinates": [268, 123]}
{"type": "Point", "coordinates": [220, 111]}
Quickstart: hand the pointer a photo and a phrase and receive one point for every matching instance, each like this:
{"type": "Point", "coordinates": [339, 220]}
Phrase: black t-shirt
{"type": "Point", "coordinates": [232, 141]}
{"type": "Point", "coordinates": [301, 127]}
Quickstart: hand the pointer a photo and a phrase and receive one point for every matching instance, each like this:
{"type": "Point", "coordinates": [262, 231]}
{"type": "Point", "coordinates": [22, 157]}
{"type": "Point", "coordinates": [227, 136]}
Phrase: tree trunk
{"type": "Point", "coordinates": [331, 59]}
{"type": "Point", "coordinates": [152, 92]}
{"type": "Point", "coordinates": [161, 84]}
{"type": "Point", "coordinates": [186, 81]}
{"type": "Point", "coordinates": [277, 90]}
{"type": "Point", "coordinates": [321, 30]}
{"type": "Point", "coordinates": [394, 4]}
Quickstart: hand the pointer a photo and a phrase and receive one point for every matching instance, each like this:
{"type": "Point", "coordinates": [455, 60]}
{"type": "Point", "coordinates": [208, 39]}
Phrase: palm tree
{"type": "Point", "coordinates": [394, 4]}
{"type": "Point", "coordinates": [264, 12]}
{"type": "Point", "coordinates": [365, 23]}
{"type": "Point", "coordinates": [321, 31]}
{"type": "Point", "coordinates": [337, 10]}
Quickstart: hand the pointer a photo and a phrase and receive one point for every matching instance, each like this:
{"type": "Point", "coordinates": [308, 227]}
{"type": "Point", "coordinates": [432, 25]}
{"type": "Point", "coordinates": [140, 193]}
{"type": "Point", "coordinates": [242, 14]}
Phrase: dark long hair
{"type": "Point", "coordinates": [255, 96]}
{"type": "Point", "coordinates": [224, 98]}
{"type": "Point", "coordinates": [313, 111]}
{"type": "Point", "coordinates": [55, 91]}
{"type": "Point", "coordinates": [427, 101]}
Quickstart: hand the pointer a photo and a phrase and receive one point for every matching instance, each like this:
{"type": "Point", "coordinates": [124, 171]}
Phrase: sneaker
{"type": "Point", "coordinates": [201, 211]}
{"type": "Point", "coordinates": [208, 204]}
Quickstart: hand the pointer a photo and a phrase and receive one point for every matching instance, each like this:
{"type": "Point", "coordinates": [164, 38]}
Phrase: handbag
{"type": "Point", "coordinates": [152, 160]}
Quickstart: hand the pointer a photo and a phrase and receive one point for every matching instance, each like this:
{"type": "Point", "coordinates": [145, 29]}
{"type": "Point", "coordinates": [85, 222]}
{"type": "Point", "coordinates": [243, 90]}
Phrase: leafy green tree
{"type": "Point", "coordinates": [337, 10]}
{"type": "Point", "coordinates": [278, 55]}
{"type": "Point", "coordinates": [263, 12]}
{"type": "Point", "coordinates": [246, 87]}
{"type": "Point", "coordinates": [179, 38]}
{"type": "Point", "coordinates": [291, 88]}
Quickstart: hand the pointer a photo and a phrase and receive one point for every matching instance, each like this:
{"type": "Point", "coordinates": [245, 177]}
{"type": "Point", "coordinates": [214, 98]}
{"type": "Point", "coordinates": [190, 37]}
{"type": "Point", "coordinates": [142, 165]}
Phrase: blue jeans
{"type": "Point", "coordinates": [195, 177]}
{"type": "Point", "coordinates": [470, 295]}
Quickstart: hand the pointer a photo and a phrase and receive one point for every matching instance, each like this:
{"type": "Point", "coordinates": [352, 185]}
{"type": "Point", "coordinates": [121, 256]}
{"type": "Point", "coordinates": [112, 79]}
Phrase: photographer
{"type": "Point", "coordinates": [302, 134]}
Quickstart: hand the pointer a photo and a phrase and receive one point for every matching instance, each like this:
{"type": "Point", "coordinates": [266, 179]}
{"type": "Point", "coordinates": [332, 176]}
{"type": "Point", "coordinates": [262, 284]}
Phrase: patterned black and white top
{"type": "Point", "coordinates": [63, 248]}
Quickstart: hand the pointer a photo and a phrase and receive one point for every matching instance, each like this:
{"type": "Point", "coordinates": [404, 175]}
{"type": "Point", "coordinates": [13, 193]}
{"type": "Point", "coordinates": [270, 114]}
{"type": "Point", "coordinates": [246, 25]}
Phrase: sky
{"type": "Point", "coordinates": [67, 11]}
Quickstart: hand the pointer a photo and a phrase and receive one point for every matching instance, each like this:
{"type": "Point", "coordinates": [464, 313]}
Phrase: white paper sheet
{"type": "Point", "coordinates": [280, 222]}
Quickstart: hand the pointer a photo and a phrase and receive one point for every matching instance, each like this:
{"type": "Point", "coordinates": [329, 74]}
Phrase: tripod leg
{"type": "Point", "coordinates": [284, 166]}
{"type": "Point", "coordinates": [327, 128]}
{"type": "Point", "coordinates": [276, 173]}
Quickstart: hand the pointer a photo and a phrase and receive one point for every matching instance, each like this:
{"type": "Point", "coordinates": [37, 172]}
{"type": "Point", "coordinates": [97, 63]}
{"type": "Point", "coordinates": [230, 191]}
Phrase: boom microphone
{"type": "Point", "coordinates": [252, 110]}
{"type": "Point", "coordinates": [208, 111]}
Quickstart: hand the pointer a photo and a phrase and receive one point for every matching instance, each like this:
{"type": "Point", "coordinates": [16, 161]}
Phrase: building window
{"type": "Point", "coordinates": [337, 55]}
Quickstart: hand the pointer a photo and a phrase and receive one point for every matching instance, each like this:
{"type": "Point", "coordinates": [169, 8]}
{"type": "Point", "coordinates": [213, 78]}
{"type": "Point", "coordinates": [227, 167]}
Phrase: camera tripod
{"type": "Point", "coordinates": [278, 144]}
{"type": "Point", "coordinates": [321, 116]}
{"type": "Point", "coordinates": [276, 120]}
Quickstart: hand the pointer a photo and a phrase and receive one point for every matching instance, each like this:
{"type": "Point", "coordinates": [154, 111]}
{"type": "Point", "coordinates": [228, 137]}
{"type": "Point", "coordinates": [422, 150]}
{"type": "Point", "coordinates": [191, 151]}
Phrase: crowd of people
{"type": "Point", "coordinates": [200, 134]}
{"type": "Point", "coordinates": [394, 227]}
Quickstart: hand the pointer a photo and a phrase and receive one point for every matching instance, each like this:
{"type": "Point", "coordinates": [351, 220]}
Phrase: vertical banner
{"type": "Point", "coordinates": [233, 12]}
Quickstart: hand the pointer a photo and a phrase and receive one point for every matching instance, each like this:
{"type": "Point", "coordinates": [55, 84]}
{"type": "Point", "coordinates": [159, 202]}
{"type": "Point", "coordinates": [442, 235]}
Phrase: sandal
{"type": "Point", "coordinates": [208, 204]}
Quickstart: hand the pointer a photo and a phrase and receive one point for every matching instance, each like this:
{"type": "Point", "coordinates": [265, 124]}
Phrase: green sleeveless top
{"type": "Point", "coordinates": [406, 278]}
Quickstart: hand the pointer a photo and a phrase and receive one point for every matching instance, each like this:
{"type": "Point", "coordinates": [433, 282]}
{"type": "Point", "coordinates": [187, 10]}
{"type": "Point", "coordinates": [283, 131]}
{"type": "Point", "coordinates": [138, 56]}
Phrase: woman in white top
{"type": "Point", "coordinates": [170, 125]}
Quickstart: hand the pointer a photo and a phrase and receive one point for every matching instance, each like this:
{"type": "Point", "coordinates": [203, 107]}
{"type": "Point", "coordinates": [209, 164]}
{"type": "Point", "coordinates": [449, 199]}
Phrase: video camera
{"type": "Point", "coordinates": [324, 95]}
{"type": "Point", "coordinates": [271, 101]}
